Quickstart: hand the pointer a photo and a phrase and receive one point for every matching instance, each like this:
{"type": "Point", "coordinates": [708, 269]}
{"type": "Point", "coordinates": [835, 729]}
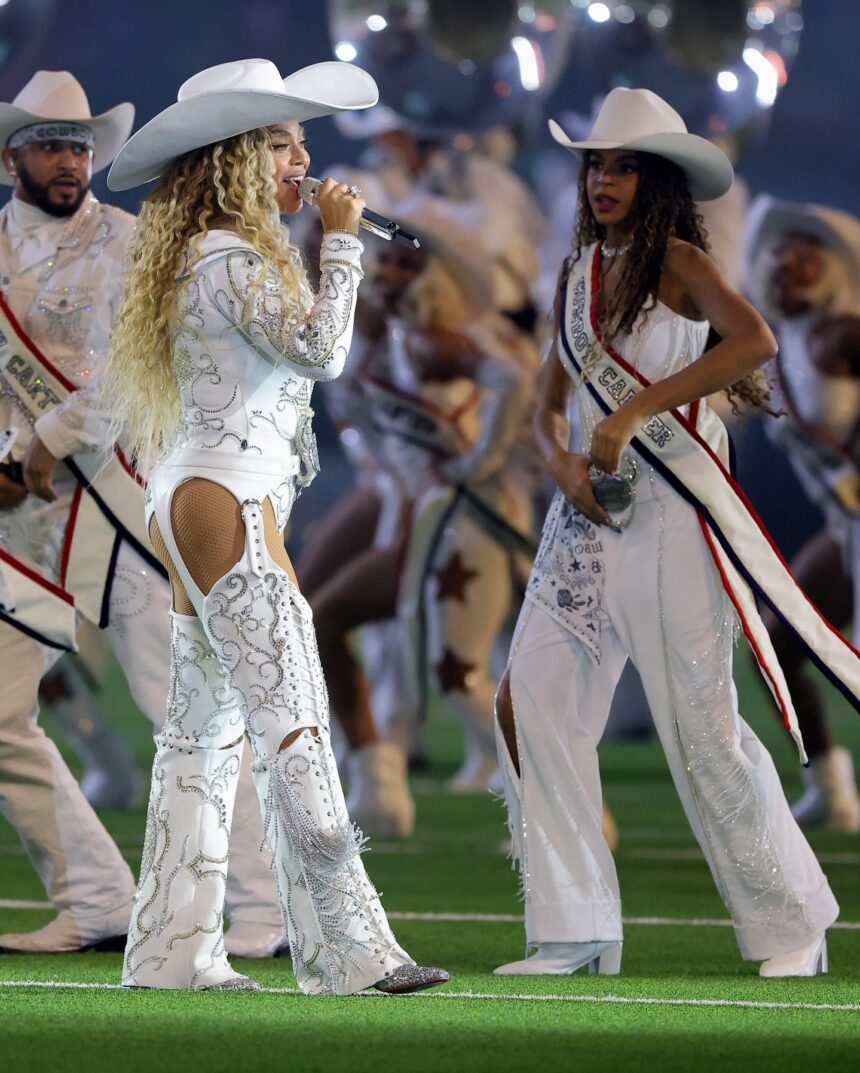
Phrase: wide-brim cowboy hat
{"type": "Point", "coordinates": [57, 96]}
{"type": "Point", "coordinates": [232, 98]}
{"type": "Point", "coordinates": [384, 120]}
{"type": "Point", "coordinates": [770, 218]}
{"type": "Point", "coordinates": [461, 250]}
{"type": "Point", "coordinates": [639, 120]}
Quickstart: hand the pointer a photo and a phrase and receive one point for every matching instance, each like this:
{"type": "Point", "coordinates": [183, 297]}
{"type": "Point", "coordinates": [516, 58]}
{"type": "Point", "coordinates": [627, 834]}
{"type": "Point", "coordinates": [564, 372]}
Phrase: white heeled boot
{"type": "Point", "coordinates": [562, 959]}
{"type": "Point", "coordinates": [175, 937]}
{"type": "Point", "coordinates": [808, 961]}
{"type": "Point", "coordinates": [831, 798]}
{"type": "Point", "coordinates": [379, 800]}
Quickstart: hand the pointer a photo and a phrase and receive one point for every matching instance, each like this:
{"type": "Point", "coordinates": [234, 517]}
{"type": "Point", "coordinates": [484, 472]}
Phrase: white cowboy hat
{"type": "Point", "coordinates": [770, 218]}
{"type": "Point", "coordinates": [461, 250]}
{"type": "Point", "coordinates": [58, 96]}
{"type": "Point", "coordinates": [382, 120]}
{"type": "Point", "coordinates": [639, 120]}
{"type": "Point", "coordinates": [230, 99]}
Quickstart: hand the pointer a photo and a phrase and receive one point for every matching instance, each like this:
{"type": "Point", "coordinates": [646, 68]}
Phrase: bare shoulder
{"type": "Point", "coordinates": [684, 259]}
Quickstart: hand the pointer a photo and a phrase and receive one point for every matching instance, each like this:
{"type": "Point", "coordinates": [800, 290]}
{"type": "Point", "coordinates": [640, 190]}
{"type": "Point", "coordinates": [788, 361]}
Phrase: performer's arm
{"type": "Point", "coordinates": [313, 343]}
{"type": "Point", "coordinates": [75, 426]}
{"type": "Point", "coordinates": [746, 343]}
{"type": "Point", "coordinates": [552, 432]}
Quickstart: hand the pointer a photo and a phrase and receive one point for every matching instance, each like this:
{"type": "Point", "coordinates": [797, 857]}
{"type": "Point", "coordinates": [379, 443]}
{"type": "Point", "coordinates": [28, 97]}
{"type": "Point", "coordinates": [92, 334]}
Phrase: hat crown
{"type": "Point", "coordinates": [628, 114]}
{"type": "Point", "coordinates": [260, 76]}
{"type": "Point", "coordinates": [54, 95]}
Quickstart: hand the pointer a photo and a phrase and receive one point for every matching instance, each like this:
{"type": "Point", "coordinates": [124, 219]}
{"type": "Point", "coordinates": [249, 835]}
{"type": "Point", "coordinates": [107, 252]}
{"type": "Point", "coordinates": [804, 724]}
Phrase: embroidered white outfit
{"type": "Point", "coordinates": [649, 593]}
{"type": "Point", "coordinates": [62, 280]}
{"type": "Point", "coordinates": [248, 665]}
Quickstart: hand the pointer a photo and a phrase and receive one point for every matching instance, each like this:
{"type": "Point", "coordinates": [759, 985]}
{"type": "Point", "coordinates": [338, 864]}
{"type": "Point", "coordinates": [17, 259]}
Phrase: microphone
{"type": "Point", "coordinates": [370, 221]}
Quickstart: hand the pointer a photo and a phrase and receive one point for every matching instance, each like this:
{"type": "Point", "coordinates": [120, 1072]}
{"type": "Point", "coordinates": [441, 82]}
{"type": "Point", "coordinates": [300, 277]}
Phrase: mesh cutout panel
{"type": "Point", "coordinates": [210, 536]}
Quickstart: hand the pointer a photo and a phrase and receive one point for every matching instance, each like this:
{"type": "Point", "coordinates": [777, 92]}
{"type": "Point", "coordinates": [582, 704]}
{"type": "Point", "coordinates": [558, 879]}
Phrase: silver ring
{"type": "Point", "coordinates": [354, 191]}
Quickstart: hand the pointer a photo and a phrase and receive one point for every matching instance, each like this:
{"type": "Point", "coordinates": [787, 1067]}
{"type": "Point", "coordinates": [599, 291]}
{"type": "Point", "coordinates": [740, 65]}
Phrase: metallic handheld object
{"type": "Point", "coordinates": [370, 221]}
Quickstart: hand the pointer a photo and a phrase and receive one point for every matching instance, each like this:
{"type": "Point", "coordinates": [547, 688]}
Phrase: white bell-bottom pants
{"type": "Point", "coordinates": [663, 607]}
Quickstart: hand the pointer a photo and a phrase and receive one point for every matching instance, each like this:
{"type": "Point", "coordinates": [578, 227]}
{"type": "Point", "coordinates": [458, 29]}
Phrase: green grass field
{"type": "Point", "coordinates": [685, 1000]}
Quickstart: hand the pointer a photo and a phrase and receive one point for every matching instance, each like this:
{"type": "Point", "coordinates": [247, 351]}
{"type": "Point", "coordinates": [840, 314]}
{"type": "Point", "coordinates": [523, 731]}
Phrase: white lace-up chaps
{"type": "Point", "coordinates": [264, 681]}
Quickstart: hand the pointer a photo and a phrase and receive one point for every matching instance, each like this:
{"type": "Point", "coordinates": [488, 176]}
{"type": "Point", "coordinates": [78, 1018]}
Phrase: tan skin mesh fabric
{"type": "Point", "coordinates": [210, 537]}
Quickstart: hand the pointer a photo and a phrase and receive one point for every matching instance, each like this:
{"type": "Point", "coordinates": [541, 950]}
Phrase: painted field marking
{"type": "Point", "coordinates": [510, 918]}
{"type": "Point", "coordinates": [478, 996]}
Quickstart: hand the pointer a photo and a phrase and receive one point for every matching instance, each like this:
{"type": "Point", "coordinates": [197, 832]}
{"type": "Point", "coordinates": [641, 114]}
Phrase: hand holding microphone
{"type": "Point", "coordinates": [339, 208]}
{"type": "Point", "coordinates": [342, 208]}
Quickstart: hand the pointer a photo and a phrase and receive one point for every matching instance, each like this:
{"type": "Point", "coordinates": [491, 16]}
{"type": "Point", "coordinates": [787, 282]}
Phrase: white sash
{"type": "Point", "coordinates": [107, 507]}
{"type": "Point", "coordinates": [692, 455]}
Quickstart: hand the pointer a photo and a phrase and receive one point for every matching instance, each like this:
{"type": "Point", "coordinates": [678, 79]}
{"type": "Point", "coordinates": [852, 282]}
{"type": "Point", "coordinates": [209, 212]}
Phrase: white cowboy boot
{"type": "Point", "coordinates": [831, 798]}
{"type": "Point", "coordinates": [68, 933]}
{"type": "Point", "coordinates": [379, 800]}
{"type": "Point", "coordinates": [175, 938]}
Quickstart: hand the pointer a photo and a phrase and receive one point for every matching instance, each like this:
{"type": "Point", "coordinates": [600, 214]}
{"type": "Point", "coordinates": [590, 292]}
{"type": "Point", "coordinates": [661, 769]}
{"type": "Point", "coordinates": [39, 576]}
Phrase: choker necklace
{"type": "Point", "coordinates": [615, 251]}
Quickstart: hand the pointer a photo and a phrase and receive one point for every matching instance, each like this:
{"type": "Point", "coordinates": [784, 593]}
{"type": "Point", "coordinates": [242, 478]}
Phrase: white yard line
{"type": "Point", "coordinates": [509, 918]}
{"type": "Point", "coordinates": [477, 996]}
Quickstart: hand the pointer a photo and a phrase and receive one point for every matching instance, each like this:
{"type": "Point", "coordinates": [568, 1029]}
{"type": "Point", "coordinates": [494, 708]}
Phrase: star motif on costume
{"type": "Point", "coordinates": [453, 578]}
{"type": "Point", "coordinates": [452, 673]}
{"type": "Point", "coordinates": [577, 566]}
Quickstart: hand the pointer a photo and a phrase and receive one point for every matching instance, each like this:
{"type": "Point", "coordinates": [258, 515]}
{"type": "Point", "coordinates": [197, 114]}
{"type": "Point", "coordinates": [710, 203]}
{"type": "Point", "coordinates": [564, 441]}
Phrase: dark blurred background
{"type": "Point", "coordinates": [804, 147]}
{"type": "Point", "coordinates": [142, 51]}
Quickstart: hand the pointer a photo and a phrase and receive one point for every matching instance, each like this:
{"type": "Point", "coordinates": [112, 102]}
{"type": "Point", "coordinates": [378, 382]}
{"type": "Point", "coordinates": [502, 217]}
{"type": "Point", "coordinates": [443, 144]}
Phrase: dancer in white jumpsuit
{"type": "Point", "coordinates": [61, 255]}
{"type": "Point", "coordinates": [634, 578]}
{"type": "Point", "coordinates": [217, 394]}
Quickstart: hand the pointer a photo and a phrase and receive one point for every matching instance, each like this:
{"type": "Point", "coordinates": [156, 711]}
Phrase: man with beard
{"type": "Point", "coordinates": [65, 551]}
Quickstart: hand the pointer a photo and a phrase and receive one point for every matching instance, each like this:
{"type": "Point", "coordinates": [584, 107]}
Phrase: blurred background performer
{"type": "Point", "coordinates": [61, 257]}
{"type": "Point", "coordinates": [216, 350]}
{"type": "Point", "coordinates": [628, 569]}
{"type": "Point", "coordinates": [803, 266]}
{"type": "Point", "coordinates": [447, 386]}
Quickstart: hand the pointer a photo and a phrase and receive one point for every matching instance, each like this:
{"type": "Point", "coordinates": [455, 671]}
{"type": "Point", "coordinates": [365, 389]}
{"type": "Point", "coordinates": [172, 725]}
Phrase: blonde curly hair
{"type": "Point", "coordinates": [232, 179]}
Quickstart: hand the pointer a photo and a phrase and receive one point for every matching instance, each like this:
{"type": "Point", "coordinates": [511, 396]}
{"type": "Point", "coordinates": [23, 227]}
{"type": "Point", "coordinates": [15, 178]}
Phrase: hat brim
{"type": "Point", "coordinates": [770, 218]}
{"type": "Point", "coordinates": [315, 91]}
{"type": "Point", "coordinates": [709, 171]}
{"type": "Point", "coordinates": [110, 131]}
{"type": "Point", "coordinates": [460, 250]}
{"type": "Point", "coordinates": [384, 120]}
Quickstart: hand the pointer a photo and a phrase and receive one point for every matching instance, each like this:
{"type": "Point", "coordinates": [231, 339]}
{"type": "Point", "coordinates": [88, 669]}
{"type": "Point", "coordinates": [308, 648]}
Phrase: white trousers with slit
{"type": "Point", "coordinates": [663, 607]}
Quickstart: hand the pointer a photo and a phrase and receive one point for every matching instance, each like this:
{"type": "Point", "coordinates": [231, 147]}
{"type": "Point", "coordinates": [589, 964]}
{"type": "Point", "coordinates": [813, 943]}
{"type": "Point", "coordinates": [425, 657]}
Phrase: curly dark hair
{"type": "Point", "coordinates": [662, 209]}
